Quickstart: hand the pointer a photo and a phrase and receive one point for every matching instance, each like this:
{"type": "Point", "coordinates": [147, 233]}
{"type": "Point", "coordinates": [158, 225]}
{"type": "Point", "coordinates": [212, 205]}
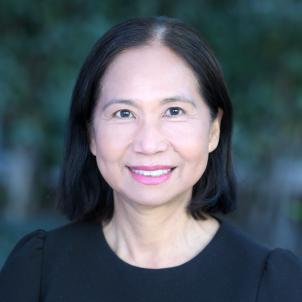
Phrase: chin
{"type": "Point", "coordinates": [156, 199]}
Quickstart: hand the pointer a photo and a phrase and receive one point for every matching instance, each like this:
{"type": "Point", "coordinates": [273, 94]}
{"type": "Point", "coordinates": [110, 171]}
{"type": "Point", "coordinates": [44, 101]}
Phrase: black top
{"type": "Point", "coordinates": [75, 264]}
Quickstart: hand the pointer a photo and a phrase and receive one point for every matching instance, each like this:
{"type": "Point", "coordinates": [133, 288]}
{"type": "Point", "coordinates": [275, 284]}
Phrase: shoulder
{"type": "Point", "coordinates": [30, 246]}
{"type": "Point", "coordinates": [241, 245]}
{"type": "Point", "coordinates": [275, 273]}
{"type": "Point", "coordinates": [27, 261]}
{"type": "Point", "coordinates": [22, 269]}
{"type": "Point", "coordinates": [281, 260]}
{"type": "Point", "coordinates": [70, 239]}
{"type": "Point", "coordinates": [282, 277]}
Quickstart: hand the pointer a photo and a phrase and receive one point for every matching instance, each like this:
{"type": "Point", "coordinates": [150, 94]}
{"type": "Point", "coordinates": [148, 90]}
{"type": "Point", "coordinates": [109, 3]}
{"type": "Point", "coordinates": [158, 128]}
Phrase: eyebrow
{"type": "Point", "coordinates": [173, 99]}
{"type": "Point", "coordinates": [181, 99]}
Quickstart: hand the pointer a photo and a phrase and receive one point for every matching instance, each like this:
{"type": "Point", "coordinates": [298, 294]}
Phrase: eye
{"type": "Point", "coordinates": [123, 114]}
{"type": "Point", "coordinates": [174, 111]}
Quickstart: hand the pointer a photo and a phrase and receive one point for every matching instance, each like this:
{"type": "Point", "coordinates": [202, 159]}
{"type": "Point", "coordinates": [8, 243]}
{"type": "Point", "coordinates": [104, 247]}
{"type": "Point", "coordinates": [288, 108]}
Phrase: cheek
{"type": "Point", "coordinates": [189, 140]}
{"type": "Point", "coordinates": [112, 141]}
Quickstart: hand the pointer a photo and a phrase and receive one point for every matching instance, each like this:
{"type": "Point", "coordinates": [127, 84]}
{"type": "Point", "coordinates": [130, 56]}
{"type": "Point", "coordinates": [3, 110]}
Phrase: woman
{"type": "Point", "coordinates": [147, 167]}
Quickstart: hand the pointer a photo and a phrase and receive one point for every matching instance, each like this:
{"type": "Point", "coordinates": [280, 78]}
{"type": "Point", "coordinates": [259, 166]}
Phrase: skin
{"type": "Point", "coordinates": [164, 121]}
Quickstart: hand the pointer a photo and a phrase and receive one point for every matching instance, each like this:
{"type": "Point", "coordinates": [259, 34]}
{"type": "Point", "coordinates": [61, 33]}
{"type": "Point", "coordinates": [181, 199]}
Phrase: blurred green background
{"type": "Point", "coordinates": [259, 44]}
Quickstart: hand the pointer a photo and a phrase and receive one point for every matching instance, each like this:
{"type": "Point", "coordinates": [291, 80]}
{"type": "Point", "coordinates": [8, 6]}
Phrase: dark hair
{"type": "Point", "coordinates": [83, 193]}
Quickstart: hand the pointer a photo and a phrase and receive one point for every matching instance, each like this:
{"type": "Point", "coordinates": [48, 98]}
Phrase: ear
{"type": "Point", "coordinates": [215, 131]}
{"type": "Point", "coordinates": [92, 142]}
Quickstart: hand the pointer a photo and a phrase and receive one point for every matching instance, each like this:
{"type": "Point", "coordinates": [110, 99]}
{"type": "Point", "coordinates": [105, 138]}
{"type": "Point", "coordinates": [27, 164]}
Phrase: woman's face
{"type": "Point", "coordinates": [151, 131]}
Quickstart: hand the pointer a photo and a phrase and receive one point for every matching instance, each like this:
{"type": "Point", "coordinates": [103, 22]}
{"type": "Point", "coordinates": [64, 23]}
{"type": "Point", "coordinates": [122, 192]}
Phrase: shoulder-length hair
{"type": "Point", "coordinates": [83, 193]}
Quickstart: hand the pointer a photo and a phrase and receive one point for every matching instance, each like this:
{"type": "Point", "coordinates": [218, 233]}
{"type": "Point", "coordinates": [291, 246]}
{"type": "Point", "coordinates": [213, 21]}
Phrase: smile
{"type": "Point", "coordinates": [151, 175]}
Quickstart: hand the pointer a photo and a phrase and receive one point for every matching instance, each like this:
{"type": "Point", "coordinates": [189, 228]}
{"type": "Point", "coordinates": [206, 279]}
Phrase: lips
{"type": "Point", "coordinates": [151, 175]}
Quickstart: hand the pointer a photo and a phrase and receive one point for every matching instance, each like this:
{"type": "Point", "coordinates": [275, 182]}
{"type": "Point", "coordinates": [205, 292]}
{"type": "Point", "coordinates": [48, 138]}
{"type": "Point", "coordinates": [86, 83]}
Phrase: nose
{"type": "Point", "coordinates": [149, 138]}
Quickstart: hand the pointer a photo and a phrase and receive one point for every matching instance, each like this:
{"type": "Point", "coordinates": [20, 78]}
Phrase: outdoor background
{"type": "Point", "coordinates": [259, 44]}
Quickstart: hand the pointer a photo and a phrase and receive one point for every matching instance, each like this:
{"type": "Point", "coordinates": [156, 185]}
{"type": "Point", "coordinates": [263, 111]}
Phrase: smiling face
{"type": "Point", "coordinates": [151, 131]}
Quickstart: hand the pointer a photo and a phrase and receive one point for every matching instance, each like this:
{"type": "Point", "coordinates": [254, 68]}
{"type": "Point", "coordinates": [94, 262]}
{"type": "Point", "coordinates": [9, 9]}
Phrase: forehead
{"type": "Point", "coordinates": [152, 71]}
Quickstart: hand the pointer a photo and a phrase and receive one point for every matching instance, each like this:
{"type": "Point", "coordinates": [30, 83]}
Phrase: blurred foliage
{"type": "Point", "coordinates": [44, 43]}
{"type": "Point", "coordinates": [295, 210]}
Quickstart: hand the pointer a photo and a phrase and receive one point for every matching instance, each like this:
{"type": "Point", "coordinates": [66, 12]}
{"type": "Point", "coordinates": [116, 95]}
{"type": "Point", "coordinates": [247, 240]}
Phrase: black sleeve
{"type": "Point", "coordinates": [20, 276]}
{"type": "Point", "coordinates": [281, 279]}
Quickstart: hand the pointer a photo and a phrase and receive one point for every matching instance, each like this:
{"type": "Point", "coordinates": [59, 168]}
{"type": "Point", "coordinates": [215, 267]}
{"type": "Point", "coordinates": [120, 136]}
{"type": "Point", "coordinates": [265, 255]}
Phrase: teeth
{"type": "Point", "coordinates": [151, 173]}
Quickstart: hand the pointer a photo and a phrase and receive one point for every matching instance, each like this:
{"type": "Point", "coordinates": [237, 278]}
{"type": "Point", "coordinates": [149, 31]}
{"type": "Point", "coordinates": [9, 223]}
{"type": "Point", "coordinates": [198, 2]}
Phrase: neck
{"type": "Point", "coordinates": [156, 236]}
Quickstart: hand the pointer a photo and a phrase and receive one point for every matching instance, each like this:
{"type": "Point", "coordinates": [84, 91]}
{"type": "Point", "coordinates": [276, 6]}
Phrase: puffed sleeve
{"type": "Point", "coordinates": [282, 278]}
{"type": "Point", "coordinates": [20, 276]}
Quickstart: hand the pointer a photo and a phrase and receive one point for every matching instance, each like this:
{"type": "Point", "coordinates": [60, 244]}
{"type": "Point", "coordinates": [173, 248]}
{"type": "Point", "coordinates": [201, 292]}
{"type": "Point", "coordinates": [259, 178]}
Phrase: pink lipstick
{"type": "Point", "coordinates": [151, 175]}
